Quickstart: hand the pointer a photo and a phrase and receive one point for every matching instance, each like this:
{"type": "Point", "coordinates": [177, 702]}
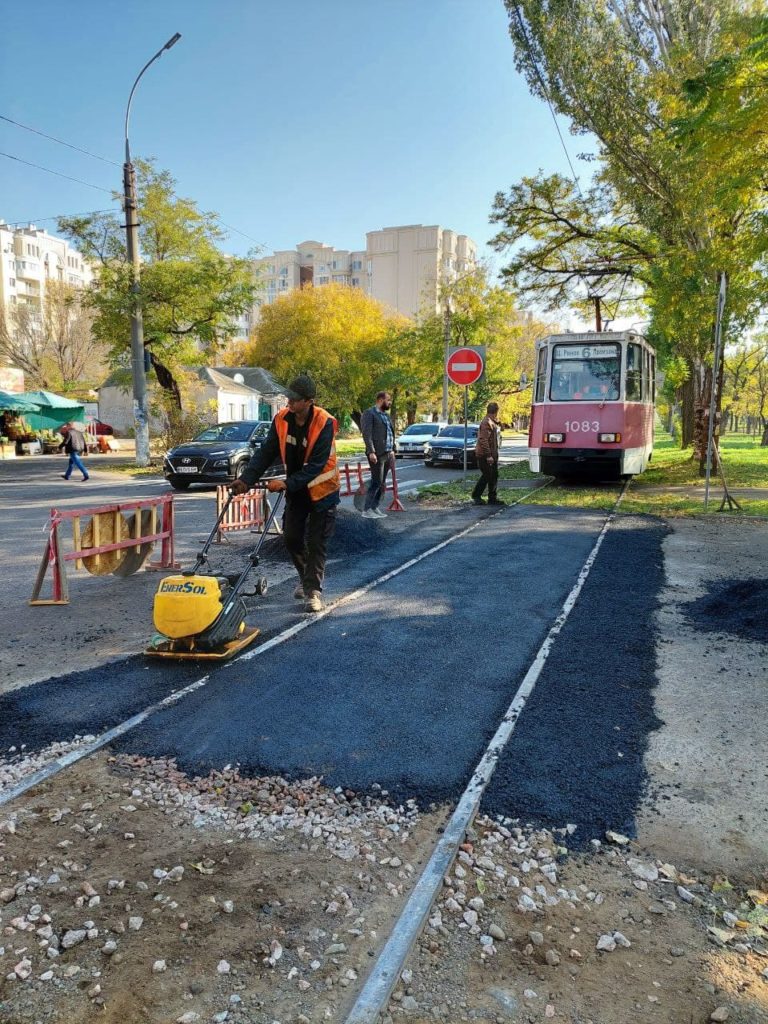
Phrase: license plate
{"type": "Point", "coordinates": [448, 458]}
{"type": "Point", "coordinates": [186, 469]}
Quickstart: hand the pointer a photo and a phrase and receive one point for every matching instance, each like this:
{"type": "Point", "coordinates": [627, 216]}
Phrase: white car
{"type": "Point", "coordinates": [415, 437]}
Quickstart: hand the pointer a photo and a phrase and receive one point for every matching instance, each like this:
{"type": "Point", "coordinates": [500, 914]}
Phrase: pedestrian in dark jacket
{"type": "Point", "coordinates": [74, 446]}
{"type": "Point", "coordinates": [379, 439]}
{"type": "Point", "coordinates": [487, 452]}
{"type": "Point", "coordinates": [303, 436]}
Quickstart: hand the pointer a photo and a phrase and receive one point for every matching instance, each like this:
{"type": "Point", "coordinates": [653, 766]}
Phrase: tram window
{"type": "Point", "coordinates": [634, 373]}
{"type": "Point", "coordinates": [653, 377]}
{"type": "Point", "coordinates": [585, 373]}
{"type": "Point", "coordinates": [541, 375]}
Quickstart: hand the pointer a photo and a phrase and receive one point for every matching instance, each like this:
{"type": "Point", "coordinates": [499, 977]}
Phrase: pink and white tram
{"type": "Point", "coordinates": [593, 405]}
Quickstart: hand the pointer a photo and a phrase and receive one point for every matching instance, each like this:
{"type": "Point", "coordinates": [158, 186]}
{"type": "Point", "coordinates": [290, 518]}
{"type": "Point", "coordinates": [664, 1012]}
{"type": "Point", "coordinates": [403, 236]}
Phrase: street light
{"type": "Point", "coordinates": [140, 414]}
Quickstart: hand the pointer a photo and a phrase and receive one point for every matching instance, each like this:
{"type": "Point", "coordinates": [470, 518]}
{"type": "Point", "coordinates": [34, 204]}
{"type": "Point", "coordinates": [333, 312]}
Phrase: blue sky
{"type": "Point", "coordinates": [292, 120]}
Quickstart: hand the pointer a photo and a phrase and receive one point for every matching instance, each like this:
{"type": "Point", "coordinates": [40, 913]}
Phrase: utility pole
{"type": "Point", "coordinates": [447, 342]}
{"type": "Point", "coordinates": [598, 320]}
{"type": "Point", "coordinates": [140, 411]}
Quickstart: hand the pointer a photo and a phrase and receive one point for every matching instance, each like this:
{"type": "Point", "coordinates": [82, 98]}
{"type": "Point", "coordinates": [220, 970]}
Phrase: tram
{"type": "Point", "coordinates": [593, 405]}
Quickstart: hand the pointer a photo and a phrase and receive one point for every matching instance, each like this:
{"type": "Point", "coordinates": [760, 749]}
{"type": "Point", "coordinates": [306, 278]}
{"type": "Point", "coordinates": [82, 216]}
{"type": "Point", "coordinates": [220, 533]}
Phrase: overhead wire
{"type": "Point", "coordinates": [96, 156]}
{"type": "Point", "coordinates": [61, 142]}
{"type": "Point", "coordinates": [39, 167]}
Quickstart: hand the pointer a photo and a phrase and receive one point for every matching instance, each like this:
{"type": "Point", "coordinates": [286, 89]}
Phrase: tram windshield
{"type": "Point", "coordinates": [585, 373]}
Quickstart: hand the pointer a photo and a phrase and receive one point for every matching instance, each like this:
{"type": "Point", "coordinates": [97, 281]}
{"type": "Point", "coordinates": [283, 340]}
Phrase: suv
{"type": "Point", "coordinates": [413, 439]}
{"type": "Point", "coordinates": [218, 455]}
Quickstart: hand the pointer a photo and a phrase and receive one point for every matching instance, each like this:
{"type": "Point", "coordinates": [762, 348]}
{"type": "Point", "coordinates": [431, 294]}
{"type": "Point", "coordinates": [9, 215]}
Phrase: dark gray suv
{"type": "Point", "coordinates": [216, 456]}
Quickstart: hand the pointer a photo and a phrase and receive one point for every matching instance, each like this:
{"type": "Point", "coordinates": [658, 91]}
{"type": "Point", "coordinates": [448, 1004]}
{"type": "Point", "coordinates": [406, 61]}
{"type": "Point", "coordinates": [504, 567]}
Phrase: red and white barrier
{"type": "Point", "coordinates": [56, 560]}
{"type": "Point", "coordinates": [248, 511]}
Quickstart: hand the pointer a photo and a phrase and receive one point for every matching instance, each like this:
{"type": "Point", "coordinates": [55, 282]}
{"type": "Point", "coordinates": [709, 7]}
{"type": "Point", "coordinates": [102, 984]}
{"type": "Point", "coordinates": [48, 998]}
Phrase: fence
{"type": "Point", "coordinates": [361, 474]}
{"type": "Point", "coordinates": [110, 543]}
{"type": "Point", "coordinates": [249, 511]}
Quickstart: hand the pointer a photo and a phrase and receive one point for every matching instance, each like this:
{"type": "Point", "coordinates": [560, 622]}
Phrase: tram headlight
{"type": "Point", "coordinates": [554, 438]}
{"type": "Point", "coordinates": [609, 438]}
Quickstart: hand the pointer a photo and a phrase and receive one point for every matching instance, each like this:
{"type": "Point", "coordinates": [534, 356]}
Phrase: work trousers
{"type": "Point", "coordinates": [75, 462]}
{"type": "Point", "coordinates": [378, 481]}
{"type": "Point", "coordinates": [489, 478]}
{"type": "Point", "coordinates": [306, 532]}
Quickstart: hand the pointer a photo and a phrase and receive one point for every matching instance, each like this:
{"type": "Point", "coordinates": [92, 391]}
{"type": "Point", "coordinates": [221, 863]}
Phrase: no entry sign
{"type": "Point", "coordinates": [465, 365]}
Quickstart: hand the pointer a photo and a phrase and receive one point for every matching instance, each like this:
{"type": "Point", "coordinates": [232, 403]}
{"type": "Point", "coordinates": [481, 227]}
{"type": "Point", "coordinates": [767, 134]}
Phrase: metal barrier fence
{"type": "Point", "coordinates": [249, 511]}
{"type": "Point", "coordinates": [110, 543]}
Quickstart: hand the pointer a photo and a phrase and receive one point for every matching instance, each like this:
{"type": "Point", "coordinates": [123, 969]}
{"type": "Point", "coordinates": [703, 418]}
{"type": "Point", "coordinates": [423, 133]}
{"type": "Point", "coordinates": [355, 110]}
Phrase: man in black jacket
{"type": "Point", "coordinates": [74, 446]}
{"type": "Point", "coordinates": [379, 438]}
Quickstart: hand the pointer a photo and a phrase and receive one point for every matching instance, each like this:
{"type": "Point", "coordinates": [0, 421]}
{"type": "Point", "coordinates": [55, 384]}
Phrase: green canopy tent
{"type": "Point", "coordinates": [16, 403]}
{"type": "Point", "coordinates": [54, 410]}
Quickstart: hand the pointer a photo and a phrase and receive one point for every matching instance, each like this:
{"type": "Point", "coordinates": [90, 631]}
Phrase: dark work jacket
{"type": "Point", "coordinates": [374, 431]}
{"type": "Point", "coordinates": [298, 473]}
{"type": "Point", "coordinates": [73, 442]}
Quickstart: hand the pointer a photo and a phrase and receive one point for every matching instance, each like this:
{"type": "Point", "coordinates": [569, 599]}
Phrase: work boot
{"type": "Point", "coordinates": [478, 501]}
{"type": "Point", "coordinates": [496, 501]}
{"type": "Point", "coordinates": [299, 592]}
{"type": "Point", "coordinates": [314, 603]}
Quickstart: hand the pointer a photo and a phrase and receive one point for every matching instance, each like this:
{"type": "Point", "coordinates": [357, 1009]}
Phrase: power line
{"type": "Point", "coordinates": [55, 216]}
{"type": "Point", "coordinates": [61, 142]}
{"type": "Point", "coordinates": [262, 245]}
{"type": "Point", "coordinates": [48, 170]}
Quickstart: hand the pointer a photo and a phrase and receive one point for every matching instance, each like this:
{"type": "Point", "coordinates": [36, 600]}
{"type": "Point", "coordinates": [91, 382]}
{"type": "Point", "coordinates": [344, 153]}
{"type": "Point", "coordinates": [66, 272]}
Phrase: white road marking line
{"type": "Point", "coordinates": [373, 998]}
{"type": "Point", "coordinates": [119, 730]}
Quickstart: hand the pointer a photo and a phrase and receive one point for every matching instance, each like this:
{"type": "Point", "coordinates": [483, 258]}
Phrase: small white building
{"type": "Point", "coordinates": [228, 392]}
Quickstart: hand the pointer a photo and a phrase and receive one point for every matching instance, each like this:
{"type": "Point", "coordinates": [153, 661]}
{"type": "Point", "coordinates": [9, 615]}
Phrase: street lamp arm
{"type": "Point", "coordinates": [171, 42]}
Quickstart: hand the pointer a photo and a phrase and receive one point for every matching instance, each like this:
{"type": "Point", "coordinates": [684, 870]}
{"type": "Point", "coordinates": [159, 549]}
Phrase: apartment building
{"type": "Point", "coordinates": [30, 258]}
{"type": "Point", "coordinates": [400, 266]}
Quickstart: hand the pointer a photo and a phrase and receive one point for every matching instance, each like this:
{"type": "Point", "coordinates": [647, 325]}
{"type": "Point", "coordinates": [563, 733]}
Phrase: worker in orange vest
{"type": "Point", "coordinates": [303, 437]}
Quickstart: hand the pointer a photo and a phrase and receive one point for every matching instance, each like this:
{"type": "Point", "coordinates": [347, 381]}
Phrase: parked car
{"type": "Point", "coordinates": [415, 437]}
{"type": "Point", "coordinates": [447, 449]}
{"type": "Point", "coordinates": [98, 427]}
{"type": "Point", "coordinates": [218, 455]}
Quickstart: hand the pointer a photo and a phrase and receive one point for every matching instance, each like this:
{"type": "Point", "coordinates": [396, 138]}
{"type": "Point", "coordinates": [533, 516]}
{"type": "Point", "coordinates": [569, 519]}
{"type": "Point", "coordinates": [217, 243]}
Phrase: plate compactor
{"type": "Point", "coordinates": [201, 615]}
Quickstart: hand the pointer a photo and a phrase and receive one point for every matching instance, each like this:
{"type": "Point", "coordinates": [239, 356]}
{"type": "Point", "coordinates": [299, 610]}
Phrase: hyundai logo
{"type": "Point", "coordinates": [186, 461]}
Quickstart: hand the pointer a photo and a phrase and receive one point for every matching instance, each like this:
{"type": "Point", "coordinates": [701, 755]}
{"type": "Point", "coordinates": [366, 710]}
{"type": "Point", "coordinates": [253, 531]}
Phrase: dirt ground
{"type": "Point", "coordinates": [130, 893]}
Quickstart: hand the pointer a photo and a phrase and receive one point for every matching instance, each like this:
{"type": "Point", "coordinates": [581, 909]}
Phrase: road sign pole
{"type": "Point", "coordinates": [466, 404]}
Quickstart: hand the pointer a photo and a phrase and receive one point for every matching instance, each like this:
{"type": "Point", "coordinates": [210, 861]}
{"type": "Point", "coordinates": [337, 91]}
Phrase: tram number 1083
{"type": "Point", "coordinates": [576, 426]}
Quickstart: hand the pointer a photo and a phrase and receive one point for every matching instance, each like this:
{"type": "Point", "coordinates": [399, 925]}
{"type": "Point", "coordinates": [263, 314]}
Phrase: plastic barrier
{"type": "Point", "coordinates": [109, 543]}
{"type": "Point", "coordinates": [358, 472]}
{"type": "Point", "coordinates": [249, 511]}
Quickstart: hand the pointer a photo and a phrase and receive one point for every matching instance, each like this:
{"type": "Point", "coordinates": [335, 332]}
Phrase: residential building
{"type": "Point", "coordinates": [226, 392]}
{"type": "Point", "coordinates": [402, 267]}
{"type": "Point", "coordinates": [30, 258]}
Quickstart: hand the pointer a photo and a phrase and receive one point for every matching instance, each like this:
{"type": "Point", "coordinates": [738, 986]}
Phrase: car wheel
{"type": "Point", "coordinates": [240, 469]}
{"type": "Point", "coordinates": [179, 485]}
{"type": "Point", "coordinates": [428, 462]}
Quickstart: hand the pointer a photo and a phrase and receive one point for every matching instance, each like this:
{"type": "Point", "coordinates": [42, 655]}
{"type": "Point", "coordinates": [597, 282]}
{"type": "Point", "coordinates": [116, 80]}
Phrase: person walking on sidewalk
{"type": "Point", "coordinates": [487, 452]}
{"type": "Point", "coordinates": [304, 437]}
{"type": "Point", "coordinates": [74, 446]}
{"type": "Point", "coordinates": [379, 439]}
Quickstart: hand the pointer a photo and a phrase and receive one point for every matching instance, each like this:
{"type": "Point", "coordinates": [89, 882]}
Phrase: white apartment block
{"type": "Point", "coordinates": [30, 258]}
{"type": "Point", "coordinates": [403, 267]}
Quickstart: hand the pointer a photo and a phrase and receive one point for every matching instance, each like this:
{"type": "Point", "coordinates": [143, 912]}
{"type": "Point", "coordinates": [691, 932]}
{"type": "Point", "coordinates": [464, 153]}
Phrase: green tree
{"type": "Point", "coordinates": [655, 213]}
{"type": "Point", "coordinates": [347, 341]}
{"type": "Point", "coordinates": [191, 292]}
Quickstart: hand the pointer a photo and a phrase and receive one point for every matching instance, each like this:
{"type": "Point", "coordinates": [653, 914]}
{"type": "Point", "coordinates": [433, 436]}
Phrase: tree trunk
{"type": "Point", "coordinates": [702, 387]}
{"type": "Point", "coordinates": [165, 379]}
{"type": "Point", "coordinates": [686, 412]}
{"type": "Point", "coordinates": [764, 441]}
{"type": "Point", "coordinates": [356, 415]}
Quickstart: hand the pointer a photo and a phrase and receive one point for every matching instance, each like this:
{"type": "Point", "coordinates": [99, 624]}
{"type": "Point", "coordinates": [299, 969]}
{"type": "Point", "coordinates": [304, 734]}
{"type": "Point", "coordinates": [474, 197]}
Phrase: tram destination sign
{"type": "Point", "coordinates": [585, 352]}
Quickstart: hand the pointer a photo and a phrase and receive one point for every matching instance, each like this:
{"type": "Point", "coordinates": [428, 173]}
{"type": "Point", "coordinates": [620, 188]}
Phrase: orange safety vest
{"type": "Point", "coordinates": [328, 480]}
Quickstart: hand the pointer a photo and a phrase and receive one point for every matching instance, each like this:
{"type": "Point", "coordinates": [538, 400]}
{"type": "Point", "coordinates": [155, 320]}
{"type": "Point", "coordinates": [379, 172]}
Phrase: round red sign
{"type": "Point", "coordinates": [464, 366]}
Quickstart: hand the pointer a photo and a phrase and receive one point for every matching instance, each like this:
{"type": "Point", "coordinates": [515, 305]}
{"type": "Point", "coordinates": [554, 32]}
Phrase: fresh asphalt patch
{"type": "Point", "coordinates": [93, 700]}
{"type": "Point", "coordinates": [738, 607]}
{"type": "Point", "coordinates": [404, 686]}
{"type": "Point", "coordinates": [576, 755]}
